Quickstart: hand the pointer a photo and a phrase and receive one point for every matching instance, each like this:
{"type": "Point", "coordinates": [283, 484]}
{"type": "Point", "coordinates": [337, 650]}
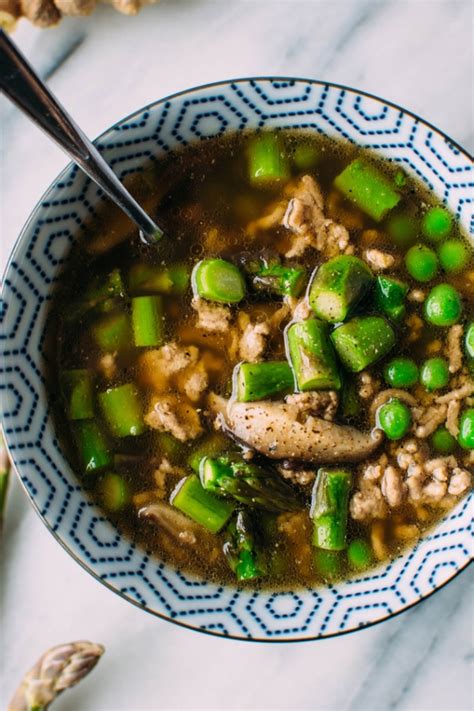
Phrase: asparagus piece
{"type": "Point", "coordinates": [147, 320]}
{"type": "Point", "coordinates": [363, 341]}
{"type": "Point", "coordinates": [469, 346]}
{"type": "Point", "coordinates": [210, 446]}
{"type": "Point", "coordinates": [312, 356]}
{"type": "Point", "coordinates": [241, 549]}
{"type": "Point", "coordinates": [148, 279]}
{"type": "Point", "coordinates": [218, 280]}
{"type": "Point", "coordinates": [77, 391]}
{"type": "Point", "coordinates": [122, 410]}
{"type": "Point", "coordinates": [390, 296]}
{"type": "Point", "coordinates": [328, 563]}
{"type": "Point", "coordinates": [338, 285]}
{"type": "Point", "coordinates": [247, 483]}
{"type": "Point", "coordinates": [168, 445]}
{"type": "Point", "coordinates": [93, 447]}
{"type": "Point", "coordinates": [5, 467]}
{"type": "Point", "coordinates": [350, 402]}
{"type": "Point", "coordinates": [202, 506]}
{"type": "Point", "coordinates": [257, 381]}
{"type": "Point", "coordinates": [114, 492]}
{"type": "Point", "coordinates": [100, 291]}
{"type": "Point", "coordinates": [269, 274]}
{"type": "Point", "coordinates": [368, 188]}
{"type": "Point", "coordinates": [266, 163]}
{"type": "Point", "coordinates": [112, 332]}
{"type": "Point", "coordinates": [58, 669]}
{"type": "Point", "coordinates": [329, 508]}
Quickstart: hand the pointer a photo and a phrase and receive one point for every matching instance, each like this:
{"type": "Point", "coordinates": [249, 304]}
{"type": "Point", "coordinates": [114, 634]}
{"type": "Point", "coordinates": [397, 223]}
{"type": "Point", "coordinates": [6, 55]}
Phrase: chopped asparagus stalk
{"type": "Point", "coordinates": [312, 356]}
{"type": "Point", "coordinates": [328, 563]}
{"type": "Point", "coordinates": [94, 450]}
{"type": "Point", "coordinates": [241, 549]}
{"type": "Point", "coordinates": [269, 274]}
{"type": "Point", "coordinates": [368, 188]}
{"type": "Point", "coordinates": [257, 381]}
{"type": "Point", "coordinates": [218, 280]}
{"type": "Point", "coordinates": [168, 445]}
{"type": "Point", "coordinates": [338, 285]}
{"type": "Point", "coordinates": [359, 554]}
{"type": "Point", "coordinates": [102, 291]}
{"type": "Point", "coordinates": [114, 492]}
{"type": "Point", "coordinates": [147, 320]}
{"type": "Point", "coordinates": [112, 332]}
{"type": "Point", "coordinates": [350, 402]}
{"type": "Point", "coordinates": [363, 341]}
{"type": "Point", "coordinates": [247, 483]}
{"type": "Point", "coordinates": [305, 156]}
{"type": "Point", "coordinates": [122, 410]}
{"type": "Point", "coordinates": [469, 346]}
{"type": "Point", "coordinates": [390, 296]}
{"type": "Point", "coordinates": [202, 506]}
{"type": "Point", "coordinates": [329, 508]}
{"type": "Point", "coordinates": [267, 164]}
{"type": "Point", "coordinates": [148, 279]}
{"type": "Point", "coordinates": [210, 446]}
{"type": "Point", "coordinates": [78, 392]}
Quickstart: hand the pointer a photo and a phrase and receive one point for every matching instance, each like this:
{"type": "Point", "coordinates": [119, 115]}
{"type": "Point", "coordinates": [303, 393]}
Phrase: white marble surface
{"type": "Point", "coordinates": [416, 53]}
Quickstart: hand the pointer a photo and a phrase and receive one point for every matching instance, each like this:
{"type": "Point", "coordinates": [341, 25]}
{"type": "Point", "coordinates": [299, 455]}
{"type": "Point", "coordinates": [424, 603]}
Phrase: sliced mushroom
{"type": "Point", "coordinates": [281, 431]}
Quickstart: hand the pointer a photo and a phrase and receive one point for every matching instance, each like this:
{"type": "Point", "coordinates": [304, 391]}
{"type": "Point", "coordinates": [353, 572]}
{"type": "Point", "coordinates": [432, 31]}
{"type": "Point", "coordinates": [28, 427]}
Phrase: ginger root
{"type": "Point", "coordinates": [47, 13]}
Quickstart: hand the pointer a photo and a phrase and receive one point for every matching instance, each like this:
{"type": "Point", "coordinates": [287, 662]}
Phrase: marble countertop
{"type": "Point", "coordinates": [414, 52]}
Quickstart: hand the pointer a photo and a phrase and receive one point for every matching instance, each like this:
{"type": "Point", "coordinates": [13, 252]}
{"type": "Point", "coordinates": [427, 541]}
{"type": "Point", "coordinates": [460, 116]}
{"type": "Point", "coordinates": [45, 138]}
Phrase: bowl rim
{"type": "Point", "coordinates": [19, 239]}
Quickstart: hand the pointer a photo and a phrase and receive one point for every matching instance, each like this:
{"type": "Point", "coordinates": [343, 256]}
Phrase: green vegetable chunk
{"type": "Point", "coordinates": [363, 341]}
{"type": "Point", "coordinates": [94, 450]}
{"type": "Point", "coordinates": [434, 373]}
{"type": "Point", "coordinates": [147, 320]}
{"type": "Point", "coordinates": [218, 280]}
{"type": "Point", "coordinates": [168, 445]}
{"type": "Point", "coordinates": [390, 295]}
{"type": "Point", "coordinates": [257, 381]}
{"type": "Point", "coordinates": [328, 563]}
{"type": "Point", "coordinates": [148, 279]}
{"type": "Point", "coordinates": [247, 483]}
{"type": "Point", "coordinates": [359, 554]}
{"type": "Point", "coordinates": [453, 255]}
{"type": "Point", "coordinates": [211, 446]}
{"type": "Point", "coordinates": [122, 410]}
{"type": "Point", "coordinates": [329, 507]}
{"type": "Point", "coordinates": [402, 229]}
{"type": "Point", "coordinates": [305, 156]}
{"type": "Point", "coordinates": [202, 506]}
{"type": "Point", "coordinates": [368, 188]}
{"type": "Point", "coordinates": [443, 441]}
{"type": "Point", "coordinates": [437, 223]}
{"type": "Point", "coordinates": [466, 429]}
{"type": "Point", "coordinates": [312, 356]}
{"type": "Point", "coordinates": [443, 305]}
{"type": "Point", "coordinates": [394, 418]}
{"type": "Point", "coordinates": [469, 340]}
{"type": "Point", "coordinates": [421, 263]}
{"type": "Point", "coordinates": [114, 492]}
{"type": "Point", "coordinates": [350, 401]}
{"type": "Point", "coordinates": [112, 332]}
{"type": "Point", "coordinates": [401, 373]}
{"type": "Point", "coordinates": [77, 386]}
{"type": "Point", "coordinates": [267, 163]}
{"type": "Point", "coordinates": [338, 285]}
{"type": "Point", "coordinates": [268, 274]}
{"type": "Point", "coordinates": [242, 550]}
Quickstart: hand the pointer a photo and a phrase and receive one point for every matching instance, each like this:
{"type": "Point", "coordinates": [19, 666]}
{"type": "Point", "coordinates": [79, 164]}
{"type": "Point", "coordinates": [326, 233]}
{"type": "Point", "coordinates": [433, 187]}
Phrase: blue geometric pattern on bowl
{"type": "Point", "coordinates": [52, 486]}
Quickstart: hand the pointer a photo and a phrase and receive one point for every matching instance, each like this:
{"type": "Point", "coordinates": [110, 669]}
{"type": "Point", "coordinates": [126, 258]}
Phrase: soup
{"type": "Point", "coordinates": [280, 393]}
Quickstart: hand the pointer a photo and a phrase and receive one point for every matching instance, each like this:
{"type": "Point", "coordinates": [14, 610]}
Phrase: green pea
{"type": "Point", "coordinates": [453, 255]}
{"type": "Point", "coordinates": [394, 418]}
{"type": "Point", "coordinates": [466, 429]}
{"type": "Point", "coordinates": [359, 554]}
{"type": "Point", "coordinates": [402, 229]}
{"type": "Point", "coordinates": [401, 372]}
{"type": "Point", "coordinates": [443, 441]}
{"type": "Point", "coordinates": [421, 263]}
{"type": "Point", "coordinates": [434, 373]}
{"type": "Point", "coordinates": [443, 305]}
{"type": "Point", "coordinates": [436, 224]}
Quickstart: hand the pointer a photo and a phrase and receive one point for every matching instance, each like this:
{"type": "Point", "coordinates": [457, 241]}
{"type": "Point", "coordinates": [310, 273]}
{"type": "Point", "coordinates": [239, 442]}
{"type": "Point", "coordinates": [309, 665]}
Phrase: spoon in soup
{"type": "Point", "coordinates": [24, 88]}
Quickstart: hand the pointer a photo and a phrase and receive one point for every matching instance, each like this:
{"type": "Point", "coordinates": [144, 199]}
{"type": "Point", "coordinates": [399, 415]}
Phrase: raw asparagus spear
{"type": "Point", "coordinates": [257, 381]}
{"type": "Point", "coordinates": [241, 548]}
{"type": "Point", "coordinates": [247, 483]}
{"type": "Point", "coordinates": [312, 356]}
{"type": "Point", "coordinates": [368, 188]}
{"type": "Point", "coordinates": [202, 506]}
{"type": "Point", "coordinates": [329, 508]}
{"type": "Point", "coordinates": [363, 341]}
{"type": "Point", "coordinates": [338, 285]}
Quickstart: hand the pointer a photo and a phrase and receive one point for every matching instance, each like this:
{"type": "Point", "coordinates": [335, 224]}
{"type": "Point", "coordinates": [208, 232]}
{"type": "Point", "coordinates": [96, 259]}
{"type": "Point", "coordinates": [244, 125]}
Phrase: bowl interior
{"type": "Point", "coordinates": [33, 269]}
